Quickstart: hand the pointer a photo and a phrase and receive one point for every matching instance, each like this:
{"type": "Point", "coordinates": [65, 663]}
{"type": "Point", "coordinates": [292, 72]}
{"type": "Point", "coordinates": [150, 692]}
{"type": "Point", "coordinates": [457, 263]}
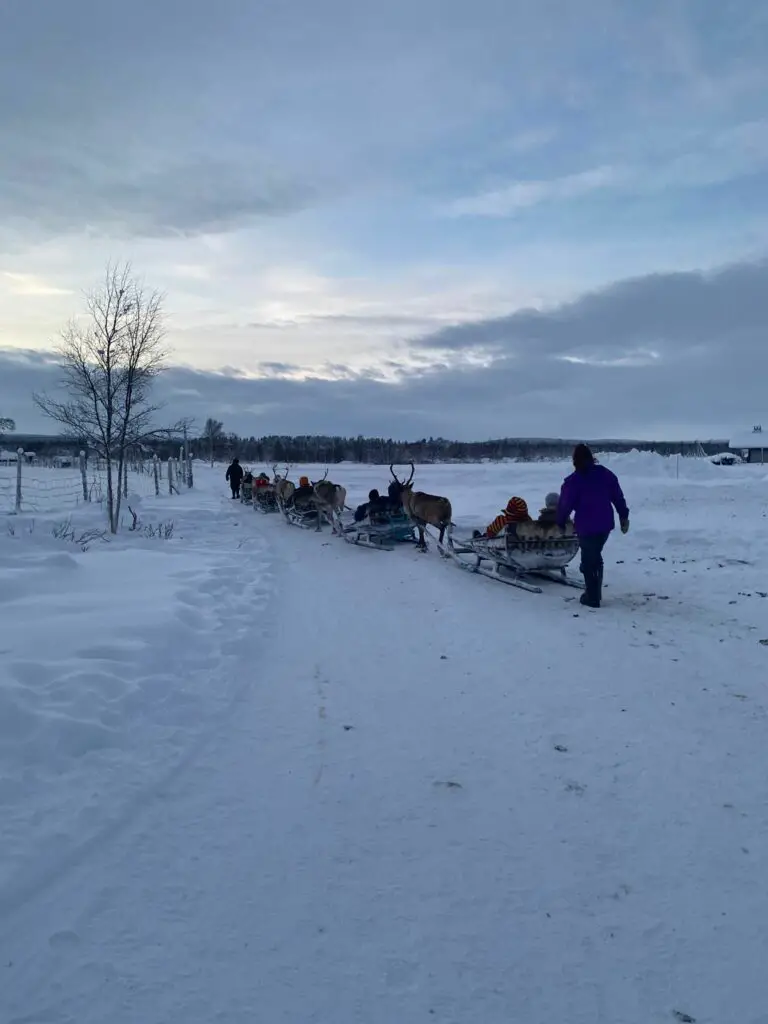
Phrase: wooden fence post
{"type": "Point", "coordinates": [19, 464]}
{"type": "Point", "coordinates": [83, 476]}
{"type": "Point", "coordinates": [156, 475]}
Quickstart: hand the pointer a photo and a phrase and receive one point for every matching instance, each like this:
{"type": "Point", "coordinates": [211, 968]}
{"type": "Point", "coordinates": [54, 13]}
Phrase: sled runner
{"type": "Point", "coordinates": [515, 556]}
{"type": "Point", "coordinates": [304, 515]}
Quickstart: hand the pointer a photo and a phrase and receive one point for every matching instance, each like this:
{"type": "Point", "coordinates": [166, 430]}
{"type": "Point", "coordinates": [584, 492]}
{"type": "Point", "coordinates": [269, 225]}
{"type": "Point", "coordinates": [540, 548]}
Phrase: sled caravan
{"type": "Point", "coordinates": [519, 553]}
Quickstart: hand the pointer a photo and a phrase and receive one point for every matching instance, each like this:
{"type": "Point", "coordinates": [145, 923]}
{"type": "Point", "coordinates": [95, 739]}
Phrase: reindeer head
{"type": "Point", "coordinates": [398, 489]}
{"type": "Point", "coordinates": [321, 480]}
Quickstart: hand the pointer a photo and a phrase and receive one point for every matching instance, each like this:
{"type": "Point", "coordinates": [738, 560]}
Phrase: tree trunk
{"type": "Point", "coordinates": [111, 497]}
{"type": "Point", "coordinates": [119, 500]}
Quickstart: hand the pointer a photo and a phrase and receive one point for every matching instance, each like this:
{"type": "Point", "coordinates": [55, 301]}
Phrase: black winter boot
{"type": "Point", "coordinates": [592, 589]}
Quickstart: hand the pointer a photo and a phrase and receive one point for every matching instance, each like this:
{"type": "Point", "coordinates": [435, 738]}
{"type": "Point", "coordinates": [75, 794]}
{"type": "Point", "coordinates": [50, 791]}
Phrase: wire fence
{"type": "Point", "coordinates": [66, 484]}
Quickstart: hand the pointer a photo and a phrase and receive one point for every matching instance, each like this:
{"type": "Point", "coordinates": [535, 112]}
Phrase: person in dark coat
{"type": "Point", "coordinates": [304, 493]}
{"type": "Point", "coordinates": [235, 476]}
{"type": "Point", "coordinates": [394, 496]}
{"type": "Point", "coordinates": [591, 493]}
{"type": "Point", "coordinates": [363, 510]}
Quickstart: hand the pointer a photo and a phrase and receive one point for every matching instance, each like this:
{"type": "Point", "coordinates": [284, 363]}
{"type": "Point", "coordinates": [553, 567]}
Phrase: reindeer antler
{"type": "Point", "coordinates": [274, 471]}
{"type": "Point", "coordinates": [394, 474]}
{"type": "Point", "coordinates": [411, 476]}
{"type": "Point", "coordinates": [324, 476]}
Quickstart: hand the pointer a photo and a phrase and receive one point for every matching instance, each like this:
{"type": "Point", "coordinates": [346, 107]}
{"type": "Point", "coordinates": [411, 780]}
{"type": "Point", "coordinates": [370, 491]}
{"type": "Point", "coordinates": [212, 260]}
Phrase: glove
{"type": "Point", "coordinates": [625, 526]}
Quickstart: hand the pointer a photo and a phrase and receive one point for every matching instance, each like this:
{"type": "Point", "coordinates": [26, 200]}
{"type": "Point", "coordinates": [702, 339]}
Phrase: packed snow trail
{"type": "Point", "coordinates": [432, 799]}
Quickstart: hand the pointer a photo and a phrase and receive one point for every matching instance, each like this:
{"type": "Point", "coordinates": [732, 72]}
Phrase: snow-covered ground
{"type": "Point", "coordinates": [252, 774]}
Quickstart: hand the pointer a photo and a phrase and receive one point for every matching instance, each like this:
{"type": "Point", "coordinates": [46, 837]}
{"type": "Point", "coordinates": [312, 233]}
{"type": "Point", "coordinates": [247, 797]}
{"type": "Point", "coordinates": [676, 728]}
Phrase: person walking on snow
{"type": "Point", "coordinates": [592, 492]}
{"type": "Point", "coordinates": [235, 476]}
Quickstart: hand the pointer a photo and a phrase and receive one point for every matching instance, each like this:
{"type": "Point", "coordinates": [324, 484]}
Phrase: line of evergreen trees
{"type": "Point", "coordinates": [372, 450]}
{"type": "Point", "coordinates": [382, 451]}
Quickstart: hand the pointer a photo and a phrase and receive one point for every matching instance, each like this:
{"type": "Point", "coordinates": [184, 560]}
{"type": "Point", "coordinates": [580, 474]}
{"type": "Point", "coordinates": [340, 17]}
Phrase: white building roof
{"type": "Point", "coordinates": [749, 439]}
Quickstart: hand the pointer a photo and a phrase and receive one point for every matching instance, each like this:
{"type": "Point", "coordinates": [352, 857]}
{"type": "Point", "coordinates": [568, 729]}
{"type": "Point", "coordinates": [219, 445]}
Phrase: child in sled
{"type": "Point", "coordinates": [516, 511]}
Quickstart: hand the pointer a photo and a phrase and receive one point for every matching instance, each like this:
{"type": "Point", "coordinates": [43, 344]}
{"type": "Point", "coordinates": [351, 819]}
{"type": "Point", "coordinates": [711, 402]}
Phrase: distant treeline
{"type": "Point", "coordinates": [375, 450]}
{"type": "Point", "coordinates": [381, 451]}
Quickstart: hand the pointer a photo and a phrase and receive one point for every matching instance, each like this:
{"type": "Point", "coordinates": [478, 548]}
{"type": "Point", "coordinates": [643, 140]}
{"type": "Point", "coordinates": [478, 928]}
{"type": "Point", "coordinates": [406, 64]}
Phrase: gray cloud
{"type": "Point", "coordinates": [182, 198]}
{"type": "Point", "coordinates": [669, 314]}
{"type": "Point", "coordinates": [706, 379]}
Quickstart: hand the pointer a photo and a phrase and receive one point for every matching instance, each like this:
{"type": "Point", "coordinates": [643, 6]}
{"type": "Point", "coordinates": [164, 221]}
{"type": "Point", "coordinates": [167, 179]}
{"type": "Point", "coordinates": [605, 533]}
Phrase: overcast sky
{"type": "Point", "coordinates": [412, 218]}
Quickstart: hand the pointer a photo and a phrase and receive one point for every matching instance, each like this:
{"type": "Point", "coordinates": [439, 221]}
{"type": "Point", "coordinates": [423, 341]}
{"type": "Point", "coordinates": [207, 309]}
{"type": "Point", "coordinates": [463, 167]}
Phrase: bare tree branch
{"type": "Point", "coordinates": [108, 368]}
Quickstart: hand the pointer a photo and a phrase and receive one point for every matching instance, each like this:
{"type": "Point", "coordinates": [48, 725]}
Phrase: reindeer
{"type": "Point", "coordinates": [330, 498]}
{"type": "Point", "coordinates": [423, 509]}
{"type": "Point", "coordinates": [283, 487]}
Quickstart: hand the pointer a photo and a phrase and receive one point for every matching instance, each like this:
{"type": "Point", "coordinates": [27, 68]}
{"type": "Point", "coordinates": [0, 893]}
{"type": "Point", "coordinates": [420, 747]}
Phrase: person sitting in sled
{"type": "Point", "coordinates": [394, 501]}
{"type": "Point", "coordinates": [375, 505]}
{"type": "Point", "coordinates": [548, 514]}
{"type": "Point", "coordinates": [304, 492]}
{"type": "Point", "coordinates": [515, 512]}
{"type": "Point", "coordinates": [262, 480]}
{"type": "Point", "coordinates": [379, 505]}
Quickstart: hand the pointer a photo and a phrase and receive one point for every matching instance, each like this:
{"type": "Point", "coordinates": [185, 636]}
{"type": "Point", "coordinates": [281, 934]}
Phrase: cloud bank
{"type": "Point", "coordinates": [667, 356]}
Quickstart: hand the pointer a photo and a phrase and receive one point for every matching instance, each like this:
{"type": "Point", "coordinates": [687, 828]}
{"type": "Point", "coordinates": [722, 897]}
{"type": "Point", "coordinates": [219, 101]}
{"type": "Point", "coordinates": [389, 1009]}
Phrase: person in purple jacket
{"type": "Point", "coordinates": [591, 493]}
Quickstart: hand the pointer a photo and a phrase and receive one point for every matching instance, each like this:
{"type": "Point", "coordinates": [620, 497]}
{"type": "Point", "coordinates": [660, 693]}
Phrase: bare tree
{"type": "Point", "coordinates": [7, 425]}
{"type": "Point", "coordinates": [109, 363]}
{"type": "Point", "coordinates": [213, 433]}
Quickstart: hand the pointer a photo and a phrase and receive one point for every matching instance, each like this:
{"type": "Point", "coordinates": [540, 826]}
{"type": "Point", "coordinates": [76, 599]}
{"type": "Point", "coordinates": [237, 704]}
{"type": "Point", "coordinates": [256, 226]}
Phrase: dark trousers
{"type": "Point", "coordinates": [592, 564]}
{"type": "Point", "coordinates": [235, 489]}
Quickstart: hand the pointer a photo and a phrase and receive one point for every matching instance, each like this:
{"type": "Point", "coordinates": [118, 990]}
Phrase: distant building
{"type": "Point", "coordinates": [752, 445]}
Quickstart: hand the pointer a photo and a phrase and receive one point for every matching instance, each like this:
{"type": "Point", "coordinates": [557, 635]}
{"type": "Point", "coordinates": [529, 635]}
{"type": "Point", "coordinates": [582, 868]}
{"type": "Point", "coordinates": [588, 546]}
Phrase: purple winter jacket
{"type": "Point", "coordinates": [592, 496]}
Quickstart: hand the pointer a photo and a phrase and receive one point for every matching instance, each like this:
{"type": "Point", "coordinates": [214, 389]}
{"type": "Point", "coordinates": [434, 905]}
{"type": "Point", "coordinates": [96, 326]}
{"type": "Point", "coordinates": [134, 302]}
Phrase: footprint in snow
{"type": "Point", "coordinates": [60, 940]}
{"type": "Point", "coordinates": [448, 785]}
{"type": "Point", "coordinates": [575, 787]}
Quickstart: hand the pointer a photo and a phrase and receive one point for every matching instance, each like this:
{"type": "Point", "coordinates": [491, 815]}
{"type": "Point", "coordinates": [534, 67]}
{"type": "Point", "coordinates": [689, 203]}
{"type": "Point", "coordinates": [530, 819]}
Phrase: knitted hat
{"type": "Point", "coordinates": [303, 481]}
{"type": "Point", "coordinates": [517, 509]}
{"type": "Point", "coordinates": [552, 500]}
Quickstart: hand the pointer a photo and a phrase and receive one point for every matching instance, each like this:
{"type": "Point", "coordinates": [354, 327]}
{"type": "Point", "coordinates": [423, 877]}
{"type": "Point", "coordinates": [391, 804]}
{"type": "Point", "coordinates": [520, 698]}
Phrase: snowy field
{"type": "Point", "coordinates": [249, 774]}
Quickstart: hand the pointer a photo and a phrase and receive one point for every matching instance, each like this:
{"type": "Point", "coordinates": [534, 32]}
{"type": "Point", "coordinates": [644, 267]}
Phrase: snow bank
{"type": "Point", "coordinates": [651, 465]}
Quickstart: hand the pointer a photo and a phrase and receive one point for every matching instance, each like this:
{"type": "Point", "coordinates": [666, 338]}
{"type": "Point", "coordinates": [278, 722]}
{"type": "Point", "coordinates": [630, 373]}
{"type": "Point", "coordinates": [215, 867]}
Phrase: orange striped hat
{"type": "Point", "coordinates": [517, 509]}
